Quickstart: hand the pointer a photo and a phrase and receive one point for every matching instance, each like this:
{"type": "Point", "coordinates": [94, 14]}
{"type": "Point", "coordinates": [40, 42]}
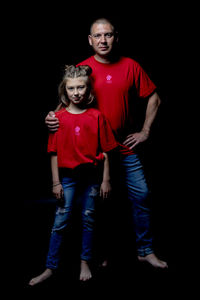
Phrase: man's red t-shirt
{"type": "Point", "coordinates": [81, 138]}
{"type": "Point", "coordinates": [113, 83]}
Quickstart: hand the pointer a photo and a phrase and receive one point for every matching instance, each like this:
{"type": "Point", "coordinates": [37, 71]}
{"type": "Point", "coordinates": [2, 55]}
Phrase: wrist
{"type": "Point", "coordinates": [146, 131]}
{"type": "Point", "coordinates": [106, 180]}
{"type": "Point", "coordinates": [55, 183]}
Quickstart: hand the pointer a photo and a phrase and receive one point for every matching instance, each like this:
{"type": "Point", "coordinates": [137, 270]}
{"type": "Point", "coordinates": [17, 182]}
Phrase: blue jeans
{"type": "Point", "coordinates": [132, 172]}
{"type": "Point", "coordinates": [88, 190]}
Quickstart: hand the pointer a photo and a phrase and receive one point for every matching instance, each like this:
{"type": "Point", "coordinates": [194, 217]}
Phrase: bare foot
{"type": "Point", "coordinates": [103, 264]}
{"type": "Point", "coordinates": [154, 261]}
{"type": "Point", "coordinates": [85, 273]}
{"type": "Point", "coordinates": [45, 275]}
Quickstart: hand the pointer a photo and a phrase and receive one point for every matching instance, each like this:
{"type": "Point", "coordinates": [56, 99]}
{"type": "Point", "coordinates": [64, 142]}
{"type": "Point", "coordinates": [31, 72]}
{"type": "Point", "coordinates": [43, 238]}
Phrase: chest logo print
{"type": "Point", "coordinates": [77, 130]}
{"type": "Point", "coordinates": [109, 78]}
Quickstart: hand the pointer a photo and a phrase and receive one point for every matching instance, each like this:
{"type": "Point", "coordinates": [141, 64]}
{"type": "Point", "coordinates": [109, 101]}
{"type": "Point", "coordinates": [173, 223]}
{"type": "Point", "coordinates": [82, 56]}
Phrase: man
{"type": "Point", "coordinates": [115, 79]}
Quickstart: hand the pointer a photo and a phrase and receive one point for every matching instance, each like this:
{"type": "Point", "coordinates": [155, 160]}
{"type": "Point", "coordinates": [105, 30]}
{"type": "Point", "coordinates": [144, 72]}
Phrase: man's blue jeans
{"type": "Point", "coordinates": [88, 191]}
{"type": "Point", "coordinates": [132, 174]}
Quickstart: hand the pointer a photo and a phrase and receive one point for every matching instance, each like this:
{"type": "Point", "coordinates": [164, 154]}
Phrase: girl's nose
{"type": "Point", "coordinates": [75, 91]}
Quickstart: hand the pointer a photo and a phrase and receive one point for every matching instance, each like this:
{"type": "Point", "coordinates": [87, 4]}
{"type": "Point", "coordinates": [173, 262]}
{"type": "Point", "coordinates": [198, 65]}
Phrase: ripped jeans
{"type": "Point", "coordinates": [88, 191]}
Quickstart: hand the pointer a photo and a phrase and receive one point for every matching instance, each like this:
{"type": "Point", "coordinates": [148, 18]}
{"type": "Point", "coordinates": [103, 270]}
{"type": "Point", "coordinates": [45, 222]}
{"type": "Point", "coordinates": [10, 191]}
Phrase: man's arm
{"type": "Point", "coordinates": [52, 122]}
{"type": "Point", "coordinates": [152, 107]}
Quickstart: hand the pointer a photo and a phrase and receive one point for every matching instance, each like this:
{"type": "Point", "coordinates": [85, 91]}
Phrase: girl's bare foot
{"type": "Point", "coordinates": [85, 273]}
{"type": "Point", "coordinates": [45, 275]}
{"type": "Point", "coordinates": [154, 261]}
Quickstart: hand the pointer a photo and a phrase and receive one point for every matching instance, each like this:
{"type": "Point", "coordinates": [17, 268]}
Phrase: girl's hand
{"type": "Point", "coordinates": [58, 191]}
{"type": "Point", "coordinates": [105, 189]}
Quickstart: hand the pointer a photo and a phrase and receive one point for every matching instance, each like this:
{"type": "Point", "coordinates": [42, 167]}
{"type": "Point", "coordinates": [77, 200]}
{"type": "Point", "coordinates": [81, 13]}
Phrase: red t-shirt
{"type": "Point", "coordinates": [113, 83]}
{"type": "Point", "coordinates": [81, 138]}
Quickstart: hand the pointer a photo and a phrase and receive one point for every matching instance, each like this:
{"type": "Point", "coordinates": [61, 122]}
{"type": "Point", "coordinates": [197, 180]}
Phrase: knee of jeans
{"type": "Point", "coordinates": [139, 195]}
{"type": "Point", "coordinates": [61, 220]}
{"type": "Point", "coordinates": [145, 193]}
{"type": "Point", "coordinates": [94, 192]}
{"type": "Point", "coordinates": [88, 217]}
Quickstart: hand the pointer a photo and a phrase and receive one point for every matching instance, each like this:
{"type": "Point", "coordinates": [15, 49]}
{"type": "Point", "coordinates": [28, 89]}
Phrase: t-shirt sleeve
{"type": "Point", "coordinates": [144, 85]}
{"type": "Point", "coordinates": [52, 143]}
{"type": "Point", "coordinates": [106, 136]}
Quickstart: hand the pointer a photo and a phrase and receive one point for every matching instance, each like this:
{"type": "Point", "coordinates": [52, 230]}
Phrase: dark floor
{"type": "Point", "coordinates": [124, 277]}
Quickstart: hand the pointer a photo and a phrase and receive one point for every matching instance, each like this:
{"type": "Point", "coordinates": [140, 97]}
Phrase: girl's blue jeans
{"type": "Point", "coordinates": [132, 175]}
{"type": "Point", "coordinates": [88, 191]}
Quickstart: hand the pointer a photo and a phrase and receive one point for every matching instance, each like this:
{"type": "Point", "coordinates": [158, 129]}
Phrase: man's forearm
{"type": "Point", "coordinates": [151, 112]}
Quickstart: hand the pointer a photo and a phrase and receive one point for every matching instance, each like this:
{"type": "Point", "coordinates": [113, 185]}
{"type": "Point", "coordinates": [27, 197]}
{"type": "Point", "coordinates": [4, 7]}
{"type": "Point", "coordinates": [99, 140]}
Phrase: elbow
{"type": "Point", "coordinates": [105, 155]}
{"type": "Point", "coordinates": [155, 99]}
{"type": "Point", "coordinates": [158, 100]}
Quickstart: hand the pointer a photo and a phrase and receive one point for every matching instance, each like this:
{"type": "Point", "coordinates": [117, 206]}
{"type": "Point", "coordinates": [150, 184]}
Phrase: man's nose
{"type": "Point", "coordinates": [103, 39]}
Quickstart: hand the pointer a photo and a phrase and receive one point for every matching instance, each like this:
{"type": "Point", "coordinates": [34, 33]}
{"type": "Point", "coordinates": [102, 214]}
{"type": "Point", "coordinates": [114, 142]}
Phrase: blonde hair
{"type": "Point", "coordinates": [71, 71]}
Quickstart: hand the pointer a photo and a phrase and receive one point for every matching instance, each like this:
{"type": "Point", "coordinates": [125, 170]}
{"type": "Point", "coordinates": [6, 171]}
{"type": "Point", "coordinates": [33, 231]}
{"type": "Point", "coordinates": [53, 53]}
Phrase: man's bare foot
{"type": "Point", "coordinates": [154, 261]}
{"type": "Point", "coordinates": [103, 264]}
{"type": "Point", "coordinates": [85, 273]}
{"type": "Point", "coordinates": [45, 275]}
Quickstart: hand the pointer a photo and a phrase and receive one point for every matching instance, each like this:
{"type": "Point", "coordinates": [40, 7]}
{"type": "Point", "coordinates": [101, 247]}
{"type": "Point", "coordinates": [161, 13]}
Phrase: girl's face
{"type": "Point", "coordinates": [76, 89]}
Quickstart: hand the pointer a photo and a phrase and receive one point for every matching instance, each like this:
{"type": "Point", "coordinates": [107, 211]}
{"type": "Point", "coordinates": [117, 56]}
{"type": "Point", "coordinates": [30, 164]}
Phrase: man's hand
{"type": "Point", "coordinates": [134, 139]}
{"type": "Point", "coordinates": [52, 122]}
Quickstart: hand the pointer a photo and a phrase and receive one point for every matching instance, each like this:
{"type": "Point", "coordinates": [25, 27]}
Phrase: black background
{"type": "Point", "coordinates": [161, 38]}
{"type": "Point", "coordinates": [158, 40]}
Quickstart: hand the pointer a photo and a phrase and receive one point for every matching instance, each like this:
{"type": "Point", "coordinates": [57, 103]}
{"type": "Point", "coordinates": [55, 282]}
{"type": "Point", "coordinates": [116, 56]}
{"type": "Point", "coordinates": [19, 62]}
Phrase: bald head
{"type": "Point", "coordinates": [102, 21]}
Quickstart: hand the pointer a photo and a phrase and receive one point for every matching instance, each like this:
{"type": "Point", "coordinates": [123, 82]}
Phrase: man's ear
{"type": "Point", "coordinates": [116, 37]}
{"type": "Point", "coordinates": [90, 40]}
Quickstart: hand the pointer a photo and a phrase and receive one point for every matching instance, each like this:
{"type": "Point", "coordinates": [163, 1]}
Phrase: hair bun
{"type": "Point", "coordinates": [87, 69]}
{"type": "Point", "coordinates": [72, 71]}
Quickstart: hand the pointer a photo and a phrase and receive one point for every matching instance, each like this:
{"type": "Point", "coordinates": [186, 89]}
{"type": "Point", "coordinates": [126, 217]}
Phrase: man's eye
{"type": "Point", "coordinates": [109, 35]}
{"type": "Point", "coordinates": [97, 36]}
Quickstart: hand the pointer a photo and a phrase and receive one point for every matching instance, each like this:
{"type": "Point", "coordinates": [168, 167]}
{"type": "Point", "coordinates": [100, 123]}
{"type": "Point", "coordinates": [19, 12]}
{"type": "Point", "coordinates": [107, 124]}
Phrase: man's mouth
{"type": "Point", "coordinates": [103, 48]}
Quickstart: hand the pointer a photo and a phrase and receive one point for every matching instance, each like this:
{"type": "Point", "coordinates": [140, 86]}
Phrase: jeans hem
{"type": "Point", "coordinates": [51, 267]}
{"type": "Point", "coordinates": [144, 252]}
{"type": "Point", "coordinates": [86, 258]}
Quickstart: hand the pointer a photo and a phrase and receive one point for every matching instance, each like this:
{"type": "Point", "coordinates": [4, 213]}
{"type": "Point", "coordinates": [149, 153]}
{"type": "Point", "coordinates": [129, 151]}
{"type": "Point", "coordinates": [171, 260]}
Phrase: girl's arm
{"type": "Point", "coordinates": [105, 188]}
{"type": "Point", "coordinates": [57, 187]}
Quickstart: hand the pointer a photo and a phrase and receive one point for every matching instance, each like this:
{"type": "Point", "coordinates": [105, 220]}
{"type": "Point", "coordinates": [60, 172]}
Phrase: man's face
{"type": "Point", "coordinates": [102, 39]}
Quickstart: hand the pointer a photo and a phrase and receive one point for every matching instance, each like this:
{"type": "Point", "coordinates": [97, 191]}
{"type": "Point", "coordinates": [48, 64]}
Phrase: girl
{"type": "Point", "coordinates": [78, 154]}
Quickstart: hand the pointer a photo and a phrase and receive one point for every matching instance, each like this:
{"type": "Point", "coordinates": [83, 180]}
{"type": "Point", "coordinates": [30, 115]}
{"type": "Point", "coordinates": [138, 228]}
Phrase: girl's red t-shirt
{"type": "Point", "coordinates": [81, 138]}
